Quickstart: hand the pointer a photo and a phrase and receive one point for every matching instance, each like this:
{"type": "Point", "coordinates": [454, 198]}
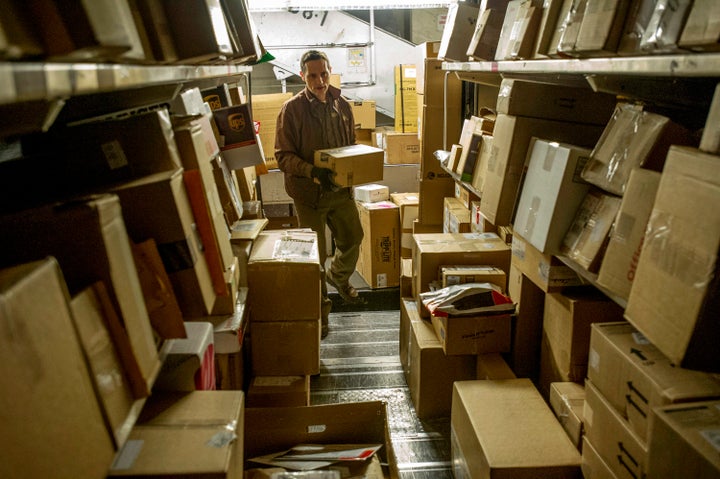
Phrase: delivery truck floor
{"type": "Point", "coordinates": [360, 362]}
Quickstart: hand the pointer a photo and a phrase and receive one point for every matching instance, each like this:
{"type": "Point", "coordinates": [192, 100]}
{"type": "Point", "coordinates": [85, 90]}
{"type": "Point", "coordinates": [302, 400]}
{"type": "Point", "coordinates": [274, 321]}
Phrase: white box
{"type": "Point", "coordinates": [371, 193]}
{"type": "Point", "coordinates": [551, 193]}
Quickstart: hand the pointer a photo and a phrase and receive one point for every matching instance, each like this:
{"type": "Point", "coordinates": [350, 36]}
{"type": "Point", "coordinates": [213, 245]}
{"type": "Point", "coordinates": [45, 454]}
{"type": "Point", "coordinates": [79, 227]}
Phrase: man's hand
{"type": "Point", "coordinates": [324, 177]}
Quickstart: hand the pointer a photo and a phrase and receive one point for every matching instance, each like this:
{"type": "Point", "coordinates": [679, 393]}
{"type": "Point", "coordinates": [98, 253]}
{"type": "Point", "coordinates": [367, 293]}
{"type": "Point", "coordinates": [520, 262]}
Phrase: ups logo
{"type": "Point", "coordinates": [213, 101]}
{"type": "Point", "coordinates": [236, 121]}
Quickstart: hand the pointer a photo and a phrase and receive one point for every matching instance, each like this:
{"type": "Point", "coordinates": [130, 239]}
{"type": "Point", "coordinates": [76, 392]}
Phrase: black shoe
{"type": "Point", "coordinates": [346, 291]}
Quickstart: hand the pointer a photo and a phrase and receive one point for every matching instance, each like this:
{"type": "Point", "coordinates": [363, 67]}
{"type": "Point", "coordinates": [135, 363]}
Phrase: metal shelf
{"type": "Point", "coordinates": [31, 81]}
{"type": "Point", "coordinates": [688, 65]}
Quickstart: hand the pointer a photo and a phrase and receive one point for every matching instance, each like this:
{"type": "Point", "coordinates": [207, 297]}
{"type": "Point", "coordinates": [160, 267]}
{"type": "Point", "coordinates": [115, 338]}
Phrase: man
{"type": "Point", "coordinates": [314, 119]}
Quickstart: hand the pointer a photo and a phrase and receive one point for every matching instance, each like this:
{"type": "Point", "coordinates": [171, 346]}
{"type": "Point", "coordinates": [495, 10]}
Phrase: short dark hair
{"type": "Point", "coordinates": [311, 55]}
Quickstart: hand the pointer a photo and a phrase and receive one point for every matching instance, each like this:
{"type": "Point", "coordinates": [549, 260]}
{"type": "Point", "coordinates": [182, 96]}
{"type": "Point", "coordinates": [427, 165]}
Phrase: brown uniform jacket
{"type": "Point", "coordinates": [299, 133]}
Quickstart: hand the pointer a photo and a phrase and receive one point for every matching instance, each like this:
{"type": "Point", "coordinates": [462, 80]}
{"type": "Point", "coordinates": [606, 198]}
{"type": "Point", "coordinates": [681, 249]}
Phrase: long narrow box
{"type": "Point", "coordinates": [504, 428]}
{"type": "Point", "coordinates": [618, 267]}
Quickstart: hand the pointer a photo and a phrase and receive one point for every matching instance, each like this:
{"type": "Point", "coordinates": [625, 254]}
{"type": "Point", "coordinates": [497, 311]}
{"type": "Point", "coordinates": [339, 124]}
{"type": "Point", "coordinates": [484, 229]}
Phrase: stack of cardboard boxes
{"type": "Point", "coordinates": [591, 190]}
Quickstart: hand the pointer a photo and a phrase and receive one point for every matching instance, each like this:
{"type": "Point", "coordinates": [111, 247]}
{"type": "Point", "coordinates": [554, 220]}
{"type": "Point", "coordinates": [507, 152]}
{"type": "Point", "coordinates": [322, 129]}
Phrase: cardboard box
{"type": "Point", "coordinates": [593, 466]}
{"type": "Point", "coordinates": [198, 32]}
{"type": "Point", "coordinates": [229, 330]}
{"type": "Point", "coordinates": [484, 41]}
{"type": "Point", "coordinates": [619, 264]}
{"type": "Point", "coordinates": [379, 261]}
{"type": "Point", "coordinates": [665, 26]}
{"type": "Point", "coordinates": [432, 191]}
{"type": "Point", "coordinates": [680, 443]}
{"type": "Point", "coordinates": [190, 363]}
{"type": "Point", "coordinates": [633, 138]}
{"type": "Point", "coordinates": [437, 134]}
{"type": "Point", "coordinates": [546, 29]}
{"type": "Point", "coordinates": [481, 167]}
{"type": "Point", "coordinates": [565, 14]}
{"type": "Point", "coordinates": [273, 429]}
{"type": "Point", "coordinates": [88, 238]}
{"type": "Point", "coordinates": [61, 397]}
{"type": "Point", "coordinates": [566, 333]}
{"type": "Point", "coordinates": [364, 113]}
{"type": "Point", "coordinates": [638, 17]}
{"type": "Point", "coordinates": [480, 224]}
{"type": "Point", "coordinates": [217, 97]}
{"type": "Point", "coordinates": [569, 28]}
{"type": "Point", "coordinates": [238, 140]}
{"type": "Point", "coordinates": [162, 307]}
{"type": "Point", "coordinates": [406, 277]}
{"type": "Point", "coordinates": [615, 442]}
{"type": "Point", "coordinates": [104, 152]}
{"type": "Point", "coordinates": [461, 274]}
{"type": "Point", "coordinates": [406, 105]}
{"type": "Point", "coordinates": [279, 391]}
{"type": "Point", "coordinates": [353, 165]}
{"type": "Point", "coordinates": [524, 358]}
{"type": "Point", "coordinates": [408, 314]}
{"type": "Point", "coordinates": [519, 30]}
{"type": "Point", "coordinates": [635, 377]}
{"type": "Point", "coordinates": [456, 217]}
{"type": "Point", "coordinates": [430, 372]}
{"type": "Point", "coordinates": [473, 334]}
{"type": "Point", "coordinates": [511, 139]}
{"type": "Point", "coordinates": [458, 31]}
{"type": "Point", "coordinates": [409, 206]}
{"type": "Point", "coordinates": [601, 29]}
{"type": "Point", "coordinates": [285, 348]}
{"type": "Point", "coordinates": [172, 436]}
{"type": "Point", "coordinates": [265, 110]}
{"type": "Point", "coordinates": [710, 140]}
{"type": "Point", "coordinates": [228, 191]}
{"type": "Point", "coordinates": [673, 302]}
{"type": "Point", "coordinates": [700, 32]}
{"type": "Point", "coordinates": [551, 193]}
{"type": "Point", "coordinates": [432, 88]}
{"type": "Point", "coordinates": [402, 148]}
{"type": "Point", "coordinates": [587, 237]}
{"type": "Point", "coordinates": [106, 367]}
{"type": "Point", "coordinates": [546, 271]}
{"type": "Point", "coordinates": [171, 223]}
{"type": "Point", "coordinates": [493, 366]}
{"type": "Point", "coordinates": [567, 400]}
{"type": "Point", "coordinates": [466, 196]}
{"type": "Point", "coordinates": [432, 250]}
{"type": "Point", "coordinates": [554, 102]}
{"type": "Point", "coordinates": [284, 276]}
{"type": "Point", "coordinates": [272, 188]}
{"type": "Point", "coordinates": [371, 193]}
{"type": "Point", "coordinates": [489, 416]}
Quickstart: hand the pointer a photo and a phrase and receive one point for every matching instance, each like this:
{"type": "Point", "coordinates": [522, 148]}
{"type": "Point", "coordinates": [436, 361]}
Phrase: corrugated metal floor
{"type": "Point", "coordinates": [360, 362]}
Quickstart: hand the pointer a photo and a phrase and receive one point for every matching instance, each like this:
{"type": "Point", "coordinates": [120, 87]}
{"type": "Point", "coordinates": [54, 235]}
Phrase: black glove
{"type": "Point", "coordinates": [324, 177]}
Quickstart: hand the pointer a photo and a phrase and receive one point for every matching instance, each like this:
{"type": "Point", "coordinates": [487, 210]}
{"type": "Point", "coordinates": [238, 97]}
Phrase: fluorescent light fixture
{"type": "Point", "coordinates": [283, 5]}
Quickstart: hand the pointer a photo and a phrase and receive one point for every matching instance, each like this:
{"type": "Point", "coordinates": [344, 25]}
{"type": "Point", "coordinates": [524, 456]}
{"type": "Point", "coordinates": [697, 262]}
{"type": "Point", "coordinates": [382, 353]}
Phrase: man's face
{"type": "Point", "coordinates": [316, 77]}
